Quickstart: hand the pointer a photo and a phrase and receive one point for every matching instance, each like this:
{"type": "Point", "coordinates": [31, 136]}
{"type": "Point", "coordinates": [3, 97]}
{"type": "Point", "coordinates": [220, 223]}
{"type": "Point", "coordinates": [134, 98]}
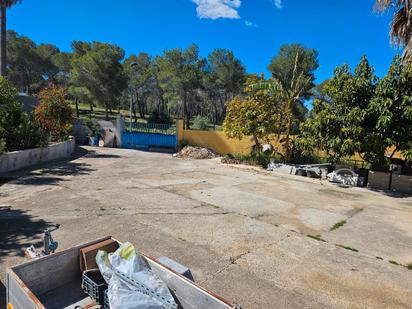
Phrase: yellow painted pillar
{"type": "Point", "coordinates": [180, 128]}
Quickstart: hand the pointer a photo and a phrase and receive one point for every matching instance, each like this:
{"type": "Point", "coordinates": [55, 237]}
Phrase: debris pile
{"type": "Point", "coordinates": [190, 152]}
{"type": "Point", "coordinates": [344, 176]}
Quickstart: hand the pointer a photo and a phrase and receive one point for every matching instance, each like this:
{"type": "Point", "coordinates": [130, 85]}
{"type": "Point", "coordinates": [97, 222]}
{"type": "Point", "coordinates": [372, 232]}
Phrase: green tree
{"type": "Point", "coordinates": [340, 124]}
{"type": "Point", "coordinates": [4, 5]}
{"type": "Point", "coordinates": [55, 65]}
{"type": "Point", "coordinates": [391, 112]}
{"type": "Point", "coordinates": [25, 66]}
{"type": "Point", "coordinates": [293, 75]}
{"type": "Point", "coordinates": [98, 68]}
{"type": "Point", "coordinates": [180, 75]}
{"type": "Point", "coordinates": [225, 79]}
{"type": "Point", "coordinates": [17, 130]}
{"type": "Point", "coordinates": [401, 26]}
{"type": "Point", "coordinates": [256, 115]}
{"type": "Point", "coordinates": [364, 115]}
{"type": "Point", "coordinates": [142, 80]}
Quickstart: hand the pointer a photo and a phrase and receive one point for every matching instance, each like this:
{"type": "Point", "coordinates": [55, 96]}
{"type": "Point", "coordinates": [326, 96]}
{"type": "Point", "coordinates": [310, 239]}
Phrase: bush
{"type": "Point", "coordinates": [18, 131]}
{"type": "Point", "coordinates": [159, 117]}
{"type": "Point", "coordinates": [54, 114]}
{"type": "Point", "coordinates": [200, 123]}
{"type": "Point", "coordinates": [93, 127]}
{"type": "Point", "coordinates": [2, 146]}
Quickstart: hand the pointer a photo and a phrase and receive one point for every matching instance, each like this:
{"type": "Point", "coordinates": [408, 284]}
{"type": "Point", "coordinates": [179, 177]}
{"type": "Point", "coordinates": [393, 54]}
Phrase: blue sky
{"type": "Point", "coordinates": [341, 30]}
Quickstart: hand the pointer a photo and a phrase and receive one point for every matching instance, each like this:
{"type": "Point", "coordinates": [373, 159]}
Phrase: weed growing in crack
{"type": "Point", "coordinates": [379, 258]}
{"type": "Point", "coordinates": [338, 225]}
{"type": "Point", "coordinates": [347, 247]}
{"type": "Point", "coordinates": [394, 263]}
{"type": "Point", "coordinates": [409, 266]}
{"type": "Point", "coordinates": [316, 237]}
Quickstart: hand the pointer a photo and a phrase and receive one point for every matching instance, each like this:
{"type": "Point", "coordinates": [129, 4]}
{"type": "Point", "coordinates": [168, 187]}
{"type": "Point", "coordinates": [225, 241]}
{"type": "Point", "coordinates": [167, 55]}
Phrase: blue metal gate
{"type": "Point", "coordinates": [149, 135]}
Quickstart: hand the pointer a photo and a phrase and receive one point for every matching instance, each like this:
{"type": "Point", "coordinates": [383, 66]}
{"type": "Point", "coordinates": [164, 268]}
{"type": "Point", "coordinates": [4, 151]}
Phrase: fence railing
{"type": "Point", "coordinates": [158, 128]}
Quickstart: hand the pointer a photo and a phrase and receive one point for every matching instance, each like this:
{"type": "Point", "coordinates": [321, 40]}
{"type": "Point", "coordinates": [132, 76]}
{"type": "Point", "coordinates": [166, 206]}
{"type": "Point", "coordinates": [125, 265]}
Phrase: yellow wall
{"type": "Point", "coordinates": [220, 143]}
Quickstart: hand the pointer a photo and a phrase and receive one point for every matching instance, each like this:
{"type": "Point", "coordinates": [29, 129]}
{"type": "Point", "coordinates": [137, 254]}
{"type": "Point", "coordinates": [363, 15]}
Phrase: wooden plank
{"type": "Point", "coordinates": [88, 254]}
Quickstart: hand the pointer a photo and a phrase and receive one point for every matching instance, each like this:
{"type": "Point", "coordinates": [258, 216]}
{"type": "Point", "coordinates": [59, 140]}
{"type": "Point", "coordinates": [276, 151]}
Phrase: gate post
{"type": "Point", "coordinates": [179, 130]}
{"type": "Point", "coordinates": [120, 125]}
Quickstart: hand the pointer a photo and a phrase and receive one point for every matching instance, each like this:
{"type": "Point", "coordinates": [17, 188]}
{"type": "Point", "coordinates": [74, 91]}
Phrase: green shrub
{"type": "Point", "coordinates": [93, 127]}
{"type": "Point", "coordinates": [200, 123]}
{"type": "Point", "coordinates": [54, 114]}
{"type": "Point", "coordinates": [18, 131]}
{"type": "Point", "coordinates": [2, 146]}
{"type": "Point", "coordinates": [159, 117]}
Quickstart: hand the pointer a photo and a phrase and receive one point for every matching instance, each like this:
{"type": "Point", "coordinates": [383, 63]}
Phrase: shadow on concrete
{"type": "Point", "coordinates": [383, 192]}
{"type": "Point", "coordinates": [2, 296]}
{"type": "Point", "coordinates": [18, 231]}
{"type": "Point", "coordinates": [52, 173]}
{"type": "Point", "coordinates": [391, 193]}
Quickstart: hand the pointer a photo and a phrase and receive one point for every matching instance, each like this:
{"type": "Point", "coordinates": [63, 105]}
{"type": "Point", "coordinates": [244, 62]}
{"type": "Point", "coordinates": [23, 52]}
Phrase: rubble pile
{"type": "Point", "coordinates": [190, 152]}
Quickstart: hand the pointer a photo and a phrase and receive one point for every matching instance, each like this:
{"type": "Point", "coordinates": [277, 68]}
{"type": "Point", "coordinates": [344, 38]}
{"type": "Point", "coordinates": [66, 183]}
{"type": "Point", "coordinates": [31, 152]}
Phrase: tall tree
{"type": "Point", "coordinates": [257, 114]}
{"type": "Point", "coordinates": [401, 26]}
{"type": "Point", "coordinates": [141, 75]}
{"type": "Point", "coordinates": [99, 69]}
{"type": "Point", "coordinates": [4, 5]}
{"type": "Point", "coordinates": [340, 124]}
{"type": "Point", "coordinates": [180, 74]}
{"type": "Point", "coordinates": [293, 73]}
{"type": "Point", "coordinates": [364, 115]}
{"type": "Point", "coordinates": [225, 79]}
{"type": "Point", "coordinates": [25, 66]}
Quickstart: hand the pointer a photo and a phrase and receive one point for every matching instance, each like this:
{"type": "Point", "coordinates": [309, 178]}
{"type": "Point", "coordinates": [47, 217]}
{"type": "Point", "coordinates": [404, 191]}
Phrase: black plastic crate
{"type": "Point", "coordinates": [93, 284]}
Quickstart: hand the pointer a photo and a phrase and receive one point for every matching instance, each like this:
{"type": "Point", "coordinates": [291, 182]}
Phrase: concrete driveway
{"type": "Point", "coordinates": [243, 232]}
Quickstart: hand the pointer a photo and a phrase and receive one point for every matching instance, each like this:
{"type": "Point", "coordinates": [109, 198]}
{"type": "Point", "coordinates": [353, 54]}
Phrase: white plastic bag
{"type": "Point", "coordinates": [125, 266]}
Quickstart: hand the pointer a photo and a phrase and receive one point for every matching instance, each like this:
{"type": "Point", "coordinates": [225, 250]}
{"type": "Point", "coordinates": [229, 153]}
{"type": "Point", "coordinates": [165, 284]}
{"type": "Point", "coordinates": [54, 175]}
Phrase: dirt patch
{"type": "Point", "coordinates": [229, 160]}
{"type": "Point", "coordinates": [190, 152]}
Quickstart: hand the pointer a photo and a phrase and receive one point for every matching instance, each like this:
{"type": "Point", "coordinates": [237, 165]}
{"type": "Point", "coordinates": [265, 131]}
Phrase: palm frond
{"type": "Point", "coordinates": [273, 85]}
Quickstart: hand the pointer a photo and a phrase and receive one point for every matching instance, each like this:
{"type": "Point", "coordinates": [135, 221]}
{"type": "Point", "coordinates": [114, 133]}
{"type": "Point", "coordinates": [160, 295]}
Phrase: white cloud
{"type": "Point", "coordinates": [250, 24]}
{"type": "Point", "coordinates": [215, 9]}
{"type": "Point", "coordinates": [278, 4]}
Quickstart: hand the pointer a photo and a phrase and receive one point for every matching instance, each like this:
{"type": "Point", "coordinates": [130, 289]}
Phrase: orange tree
{"type": "Point", "coordinates": [54, 114]}
{"type": "Point", "coordinates": [257, 114]}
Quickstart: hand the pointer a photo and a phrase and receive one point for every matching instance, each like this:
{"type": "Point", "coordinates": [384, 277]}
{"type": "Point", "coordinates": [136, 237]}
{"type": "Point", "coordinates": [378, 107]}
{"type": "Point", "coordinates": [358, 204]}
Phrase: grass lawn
{"type": "Point", "coordinates": [99, 113]}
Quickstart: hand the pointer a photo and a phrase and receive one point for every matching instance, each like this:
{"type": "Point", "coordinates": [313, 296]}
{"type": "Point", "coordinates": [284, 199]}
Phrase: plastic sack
{"type": "Point", "coordinates": [125, 262]}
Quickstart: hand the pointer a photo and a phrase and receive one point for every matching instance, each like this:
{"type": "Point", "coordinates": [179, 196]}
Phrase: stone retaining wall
{"type": "Point", "coordinates": [16, 160]}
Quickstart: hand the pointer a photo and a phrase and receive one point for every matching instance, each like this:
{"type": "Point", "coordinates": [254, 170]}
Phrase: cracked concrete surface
{"type": "Point", "coordinates": [243, 232]}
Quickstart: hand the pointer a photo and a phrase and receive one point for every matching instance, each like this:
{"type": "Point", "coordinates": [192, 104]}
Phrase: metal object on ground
{"type": "Point", "coordinates": [177, 267]}
{"type": "Point", "coordinates": [49, 244]}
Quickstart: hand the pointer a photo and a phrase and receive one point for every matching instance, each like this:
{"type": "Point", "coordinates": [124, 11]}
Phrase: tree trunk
{"type": "Point", "coordinates": [288, 152]}
{"type": "Point", "coordinates": [76, 101]}
{"type": "Point", "coordinates": [3, 40]}
{"type": "Point", "coordinates": [185, 112]}
{"type": "Point", "coordinates": [257, 146]}
{"type": "Point", "coordinates": [407, 53]}
{"type": "Point", "coordinates": [106, 111]}
{"type": "Point", "coordinates": [134, 112]}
